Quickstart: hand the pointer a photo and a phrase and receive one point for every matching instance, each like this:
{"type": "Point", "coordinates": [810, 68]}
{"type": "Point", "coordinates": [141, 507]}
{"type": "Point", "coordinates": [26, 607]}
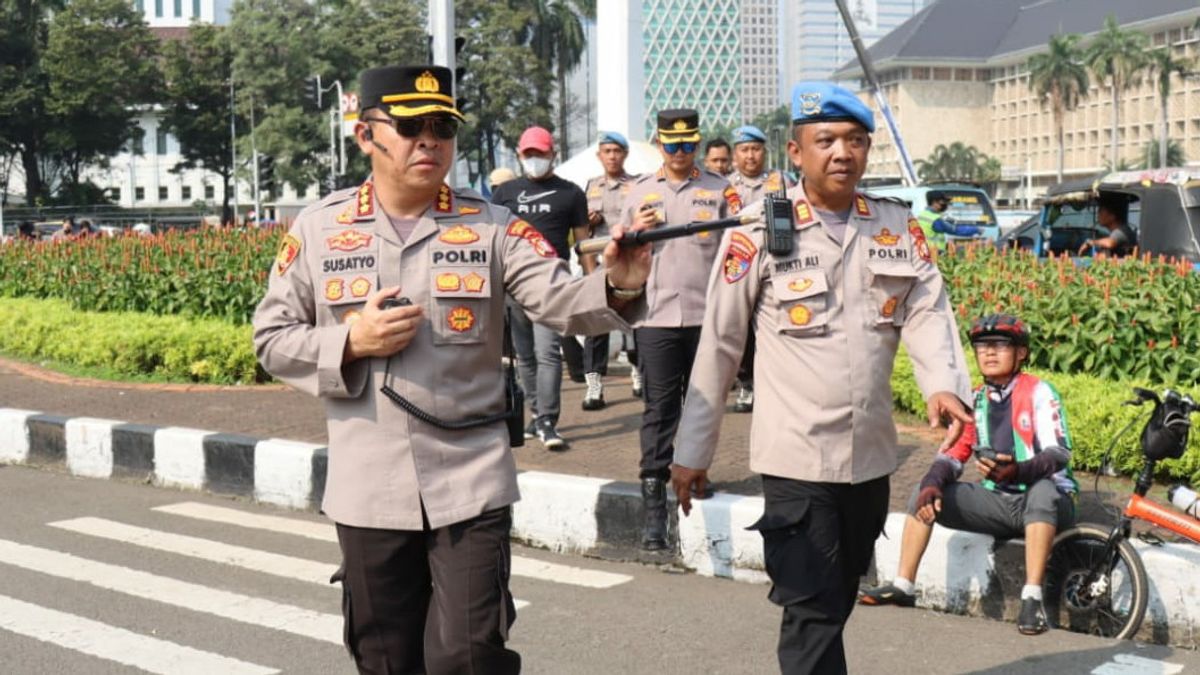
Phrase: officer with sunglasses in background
{"type": "Point", "coordinates": [387, 301]}
{"type": "Point", "coordinates": [679, 192]}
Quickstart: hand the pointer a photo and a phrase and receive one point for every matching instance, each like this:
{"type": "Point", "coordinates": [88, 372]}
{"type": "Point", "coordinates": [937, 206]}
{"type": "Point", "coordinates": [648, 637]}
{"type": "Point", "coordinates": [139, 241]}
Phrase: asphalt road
{"type": "Point", "coordinates": [106, 577]}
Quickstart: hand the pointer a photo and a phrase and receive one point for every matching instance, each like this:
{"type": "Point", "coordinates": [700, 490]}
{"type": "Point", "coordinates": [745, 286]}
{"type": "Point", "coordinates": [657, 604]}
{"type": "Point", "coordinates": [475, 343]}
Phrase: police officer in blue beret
{"type": "Point", "coordinates": [830, 314]}
{"type": "Point", "coordinates": [752, 181]}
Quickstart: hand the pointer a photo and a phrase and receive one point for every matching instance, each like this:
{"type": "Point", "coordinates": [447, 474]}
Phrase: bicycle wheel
{"type": "Point", "coordinates": [1090, 588]}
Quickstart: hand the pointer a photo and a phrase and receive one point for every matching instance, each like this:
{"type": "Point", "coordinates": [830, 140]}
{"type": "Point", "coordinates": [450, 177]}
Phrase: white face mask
{"type": "Point", "coordinates": [535, 167]}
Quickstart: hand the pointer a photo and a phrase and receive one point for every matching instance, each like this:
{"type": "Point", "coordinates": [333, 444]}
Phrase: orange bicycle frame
{"type": "Point", "coordinates": [1151, 512]}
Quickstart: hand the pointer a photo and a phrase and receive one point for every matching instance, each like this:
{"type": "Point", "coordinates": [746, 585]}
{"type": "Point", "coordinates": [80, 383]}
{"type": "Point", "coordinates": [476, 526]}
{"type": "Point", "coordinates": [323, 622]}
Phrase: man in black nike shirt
{"type": "Point", "coordinates": [555, 207]}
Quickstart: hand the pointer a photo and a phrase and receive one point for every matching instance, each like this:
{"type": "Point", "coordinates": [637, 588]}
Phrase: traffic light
{"type": "Point", "coordinates": [312, 92]}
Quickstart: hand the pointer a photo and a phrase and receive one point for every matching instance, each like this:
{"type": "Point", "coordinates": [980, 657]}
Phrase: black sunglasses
{"type": "Point", "coordinates": [444, 128]}
{"type": "Point", "coordinates": [687, 147]}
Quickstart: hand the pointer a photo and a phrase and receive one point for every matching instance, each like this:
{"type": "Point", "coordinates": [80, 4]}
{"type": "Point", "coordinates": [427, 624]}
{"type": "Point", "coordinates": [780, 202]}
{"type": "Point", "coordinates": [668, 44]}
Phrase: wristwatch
{"type": "Point", "coordinates": [623, 293]}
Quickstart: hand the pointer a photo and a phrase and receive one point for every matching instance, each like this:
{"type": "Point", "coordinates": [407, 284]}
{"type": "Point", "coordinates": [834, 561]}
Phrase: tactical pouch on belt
{"type": "Point", "coordinates": [514, 399]}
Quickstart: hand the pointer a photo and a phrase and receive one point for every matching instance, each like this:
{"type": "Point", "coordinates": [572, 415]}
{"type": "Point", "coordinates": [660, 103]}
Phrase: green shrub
{"type": "Point", "coordinates": [129, 343]}
{"type": "Point", "coordinates": [209, 273]}
{"type": "Point", "coordinates": [1117, 319]}
{"type": "Point", "coordinates": [1094, 415]}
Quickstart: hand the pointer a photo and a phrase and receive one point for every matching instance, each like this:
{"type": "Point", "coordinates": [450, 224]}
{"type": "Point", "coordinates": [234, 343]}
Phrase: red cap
{"type": "Point", "coordinates": [536, 138]}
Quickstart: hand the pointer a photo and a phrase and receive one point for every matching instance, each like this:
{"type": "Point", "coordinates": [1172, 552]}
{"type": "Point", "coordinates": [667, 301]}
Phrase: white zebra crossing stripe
{"type": "Point", "coordinates": [116, 644]}
{"type": "Point", "coordinates": [194, 597]}
{"type": "Point", "coordinates": [521, 566]}
{"type": "Point", "coordinates": [220, 514]}
{"type": "Point", "coordinates": [274, 564]}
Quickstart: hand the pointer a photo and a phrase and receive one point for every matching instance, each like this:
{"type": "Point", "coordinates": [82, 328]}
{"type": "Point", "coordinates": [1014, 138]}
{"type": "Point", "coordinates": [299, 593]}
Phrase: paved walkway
{"type": "Point", "coordinates": [604, 443]}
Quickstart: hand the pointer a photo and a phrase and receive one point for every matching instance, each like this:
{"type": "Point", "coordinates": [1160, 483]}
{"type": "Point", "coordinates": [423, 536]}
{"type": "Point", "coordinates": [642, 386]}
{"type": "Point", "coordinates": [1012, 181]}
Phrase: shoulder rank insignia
{"type": "Point", "coordinates": [289, 250]}
{"type": "Point", "coordinates": [919, 242]}
{"type": "Point", "coordinates": [459, 234]}
{"type": "Point", "coordinates": [886, 238]}
{"type": "Point", "coordinates": [348, 240]}
{"type": "Point", "coordinates": [861, 206]}
{"type": "Point", "coordinates": [364, 201]}
{"type": "Point", "coordinates": [733, 199]}
{"type": "Point", "coordinates": [738, 257]}
{"type": "Point", "coordinates": [804, 214]}
{"type": "Point", "coordinates": [444, 199]}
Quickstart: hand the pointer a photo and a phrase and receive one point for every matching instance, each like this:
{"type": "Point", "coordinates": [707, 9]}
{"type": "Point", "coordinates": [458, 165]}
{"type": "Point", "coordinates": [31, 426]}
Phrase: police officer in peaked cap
{"type": "Point", "coordinates": [387, 302]}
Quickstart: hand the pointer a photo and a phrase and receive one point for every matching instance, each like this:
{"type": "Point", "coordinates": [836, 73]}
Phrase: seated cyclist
{"type": "Point", "coordinates": [1027, 489]}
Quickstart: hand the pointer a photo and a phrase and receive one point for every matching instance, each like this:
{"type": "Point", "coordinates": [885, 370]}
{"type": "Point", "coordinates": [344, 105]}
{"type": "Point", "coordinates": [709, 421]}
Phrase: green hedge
{"type": "Point", "coordinates": [129, 343]}
{"type": "Point", "coordinates": [1094, 416]}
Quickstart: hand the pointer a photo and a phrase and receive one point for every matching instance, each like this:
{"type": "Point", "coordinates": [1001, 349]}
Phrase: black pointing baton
{"type": "Point", "coordinates": [780, 224]}
{"type": "Point", "coordinates": [597, 244]}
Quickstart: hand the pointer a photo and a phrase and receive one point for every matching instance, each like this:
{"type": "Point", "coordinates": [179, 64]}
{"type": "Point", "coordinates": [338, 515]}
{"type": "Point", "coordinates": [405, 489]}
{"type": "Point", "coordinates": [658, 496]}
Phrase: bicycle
{"type": "Point", "coordinates": [1095, 581]}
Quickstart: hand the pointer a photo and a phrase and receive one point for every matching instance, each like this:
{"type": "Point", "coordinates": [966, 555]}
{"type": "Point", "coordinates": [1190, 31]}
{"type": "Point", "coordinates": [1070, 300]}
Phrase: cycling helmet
{"type": "Point", "coordinates": [1000, 325]}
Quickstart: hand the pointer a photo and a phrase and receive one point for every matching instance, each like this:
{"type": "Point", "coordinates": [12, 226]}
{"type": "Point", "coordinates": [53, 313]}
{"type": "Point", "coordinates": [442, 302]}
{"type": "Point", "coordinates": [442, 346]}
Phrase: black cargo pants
{"type": "Point", "coordinates": [434, 601]}
{"type": "Point", "coordinates": [818, 539]}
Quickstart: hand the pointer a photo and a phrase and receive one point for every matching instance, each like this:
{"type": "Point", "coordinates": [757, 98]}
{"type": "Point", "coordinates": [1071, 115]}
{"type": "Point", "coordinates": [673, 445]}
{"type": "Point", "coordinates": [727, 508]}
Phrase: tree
{"type": "Point", "coordinates": [198, 71]}
{"type": "Point", "coordinates": [1165, 64]}
{"type": "Point", "coordinates": [505, 82]}
{"type": "Point", "coordinates": [958, 162]}
{"type": "Point", "coordinates": [1118, 56]}
{"type": "Point", "coordinates": [101, 63]}
{"type": "Point", "coordinates": [559, 41]}
{"type": "Point", "coordinates": [1058, 77]}
{"type": "Point", "coordinates": [1153, 157]}
{"type": "Point", "coordinates": [24, 28]}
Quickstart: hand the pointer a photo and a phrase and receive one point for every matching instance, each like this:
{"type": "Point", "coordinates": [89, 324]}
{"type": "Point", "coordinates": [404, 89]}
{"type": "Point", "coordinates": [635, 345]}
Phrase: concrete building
{"type": "Point", "coordinates": [718, 56]}
{"type": "Point", "coordinates": [947, 81]}
{"type": "Point", "coordinates": [181, 13]}
{"type": "Point", "coordinates": [814, 39]}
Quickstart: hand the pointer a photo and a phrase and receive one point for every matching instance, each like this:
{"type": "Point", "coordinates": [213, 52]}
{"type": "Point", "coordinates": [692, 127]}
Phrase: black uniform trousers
{"type": "Point", "coordinates": [818, 539]}
{"type": "Point", "coordinates": [434, 601]}
{"type": "Point", "coordinates": [665, 356]}
{"type": "Point", "coordinates": [595, 354]}
{"type": "Point", "coordinates": [745, 376]}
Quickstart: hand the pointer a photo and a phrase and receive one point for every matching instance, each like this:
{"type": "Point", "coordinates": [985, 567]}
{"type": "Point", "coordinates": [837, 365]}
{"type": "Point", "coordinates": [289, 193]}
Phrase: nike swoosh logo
{"type": "Point", "coordinates": [525, 199]}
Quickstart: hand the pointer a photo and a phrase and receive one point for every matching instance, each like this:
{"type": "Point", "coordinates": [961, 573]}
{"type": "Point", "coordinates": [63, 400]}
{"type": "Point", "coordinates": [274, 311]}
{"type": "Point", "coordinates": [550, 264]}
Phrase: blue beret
{"type": "Point", "coordinates": [827, 102]}
{"type": "Point", "coordinates": [612, 137]}
{"type": "Point", "coordinates": [748, 134]}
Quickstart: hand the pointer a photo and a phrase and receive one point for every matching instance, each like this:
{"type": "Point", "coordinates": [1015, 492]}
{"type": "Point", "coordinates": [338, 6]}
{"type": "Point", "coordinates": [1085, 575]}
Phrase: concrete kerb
{"type": "Point", "coordinates": [961, 572]}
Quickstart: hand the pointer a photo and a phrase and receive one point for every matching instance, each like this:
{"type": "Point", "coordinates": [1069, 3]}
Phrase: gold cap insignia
{"type": "Point", "coordinates": [680, 125]}
{"type": "Point", "coordinates": [427, 83]}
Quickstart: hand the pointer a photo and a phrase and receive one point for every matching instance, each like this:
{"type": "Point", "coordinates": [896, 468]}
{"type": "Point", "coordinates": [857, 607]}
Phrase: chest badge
{"type": "Point", "coordinates": [448, 282]}
{"type": "Point", "coordinates": [458, 235]}
{"type": "Point", "coordinates": [460, 319]}
{"type": "Point", "coordinates": [360, 287]}
{"type": "Point", "coordinates": [800, 315]}
{"type": "Point", "coordinates": [889, 307]}
{"type": "Point", "coordinates": [473, 283]}
{"type": "Point", "coordinates": [886, 238]}
{"type": "Point", "coordinates": [348, 240]}
{"type": "Point", "coordinates": [800, 285]}
{"type": "Point", "coordinates": [335, 289]}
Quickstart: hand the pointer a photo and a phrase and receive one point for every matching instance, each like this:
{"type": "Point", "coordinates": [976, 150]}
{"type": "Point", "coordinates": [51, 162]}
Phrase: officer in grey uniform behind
{"type": "Point", "coordinates": [830, 311]}
{"type": "Point", "coordinates": [679, 192]}
{"type": "Point", "coordinates": [421, 476]}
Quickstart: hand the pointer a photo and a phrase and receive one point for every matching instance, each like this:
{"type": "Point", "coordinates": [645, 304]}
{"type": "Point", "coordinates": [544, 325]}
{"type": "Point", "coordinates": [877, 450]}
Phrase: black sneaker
{"type": "Point", "coordinates": [548, 435]}
{"type": "Point", "coordinates": [1032, 619]}
{"type": "Point", "coordinates": [531, 429]}
{"type": "Point", "coordinates": [886, 595]}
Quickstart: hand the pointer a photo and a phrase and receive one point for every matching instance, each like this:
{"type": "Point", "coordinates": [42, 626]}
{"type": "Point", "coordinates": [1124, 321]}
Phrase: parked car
{"type": "Point", "coordinates": [969, 205]}
{"type": "Point", "coordinates": [1164, 212]}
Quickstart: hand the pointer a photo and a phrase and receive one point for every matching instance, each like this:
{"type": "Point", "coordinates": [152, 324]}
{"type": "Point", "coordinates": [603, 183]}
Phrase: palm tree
{"type": "Point", "coordinates": [1059, 77]}
{"type": "Point", "coordinates": [559, 40]}
{"type": "Point", "coordinates": [1152, 156]}
{"type": "Point", "coordinates": [1165, 63]}
{"type": "Point", "coordinates": [958, 162]}
{"type": "Point", "coordinates": [1116, 55]}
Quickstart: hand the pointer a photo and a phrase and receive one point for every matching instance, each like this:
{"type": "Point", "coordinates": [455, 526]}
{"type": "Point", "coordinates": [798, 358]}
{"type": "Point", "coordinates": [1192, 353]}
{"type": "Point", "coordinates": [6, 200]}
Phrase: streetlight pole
{"type": "Point", "coordinates": [254, 161]}
{"type": "Point", "coordinates": [441, 27]}
{"type": "Point", "coordinates": [233, 150]}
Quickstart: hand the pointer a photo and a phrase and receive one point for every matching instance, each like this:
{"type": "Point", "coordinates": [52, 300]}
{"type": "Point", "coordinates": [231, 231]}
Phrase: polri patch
{"type": "Point", "coordinates": [738, 257]}
{"type": "Point", "coordinates": [289, 250]}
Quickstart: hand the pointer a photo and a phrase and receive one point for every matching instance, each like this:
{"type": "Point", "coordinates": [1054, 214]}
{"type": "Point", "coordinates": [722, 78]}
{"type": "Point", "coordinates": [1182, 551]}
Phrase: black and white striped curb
{"type": "Point", "coordinates": [960, 572]}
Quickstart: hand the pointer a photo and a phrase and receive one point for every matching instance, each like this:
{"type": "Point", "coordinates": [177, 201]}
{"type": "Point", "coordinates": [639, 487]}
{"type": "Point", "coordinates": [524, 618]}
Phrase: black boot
{"type": "Point", "coordinates": [654, 503]}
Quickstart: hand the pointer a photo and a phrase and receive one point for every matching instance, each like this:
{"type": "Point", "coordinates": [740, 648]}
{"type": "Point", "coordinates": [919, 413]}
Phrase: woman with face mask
{"type": "Point", "coordinates": [554, 207]}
